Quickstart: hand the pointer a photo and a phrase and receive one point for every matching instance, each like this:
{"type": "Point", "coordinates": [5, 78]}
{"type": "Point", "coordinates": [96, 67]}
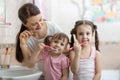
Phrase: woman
{"type": "Point", "coordinates": [33, 31]}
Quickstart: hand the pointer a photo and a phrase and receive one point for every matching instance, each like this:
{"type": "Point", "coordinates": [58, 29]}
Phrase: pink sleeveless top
{"type": "Point", "coordinates": [87, 67]}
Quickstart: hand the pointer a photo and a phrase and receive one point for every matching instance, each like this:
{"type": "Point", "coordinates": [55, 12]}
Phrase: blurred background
{"type": "Point", "coordinates": [104, 13]}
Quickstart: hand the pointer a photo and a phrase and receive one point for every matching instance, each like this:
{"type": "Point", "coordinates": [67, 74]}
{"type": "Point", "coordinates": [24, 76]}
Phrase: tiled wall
{"type": "Point", "coordinates": [110, 55]}
{"type": "Point", "coordinates": [11, 52]}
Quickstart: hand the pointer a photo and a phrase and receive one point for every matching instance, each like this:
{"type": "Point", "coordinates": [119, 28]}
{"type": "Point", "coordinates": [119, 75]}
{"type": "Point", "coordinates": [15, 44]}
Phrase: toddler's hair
{"type": "Point", "coordinates": [58, 36]}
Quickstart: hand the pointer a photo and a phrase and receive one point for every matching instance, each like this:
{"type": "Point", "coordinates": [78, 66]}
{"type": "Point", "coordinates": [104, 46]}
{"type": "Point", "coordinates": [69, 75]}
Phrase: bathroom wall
{"type": "Point", "coordinates": [64, 13]}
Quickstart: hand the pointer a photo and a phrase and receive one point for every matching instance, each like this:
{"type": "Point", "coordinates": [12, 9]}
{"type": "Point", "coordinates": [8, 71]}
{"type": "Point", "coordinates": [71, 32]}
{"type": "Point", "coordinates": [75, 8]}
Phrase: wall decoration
{"type": "Point", "coordinates": [41, 5]}
{"type": "Point", "coordinates": [99, 10]}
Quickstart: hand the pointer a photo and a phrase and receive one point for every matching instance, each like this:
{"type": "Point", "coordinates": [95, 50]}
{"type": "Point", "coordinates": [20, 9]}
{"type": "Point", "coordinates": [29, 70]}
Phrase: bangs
{"type": "Point", "coordinates": [61, 36]}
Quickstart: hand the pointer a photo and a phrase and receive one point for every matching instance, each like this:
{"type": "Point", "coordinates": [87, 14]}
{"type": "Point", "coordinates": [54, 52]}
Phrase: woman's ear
{"type": "Point", "coordinates": [24, 24]}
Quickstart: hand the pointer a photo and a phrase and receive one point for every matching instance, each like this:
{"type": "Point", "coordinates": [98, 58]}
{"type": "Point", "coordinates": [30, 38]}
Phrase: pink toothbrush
{"type": "Point", "coordinates": [46, 46]}
{"type": "Point", "coordinates": [70, 49]}
{"type": "Point", "coordinates": [73, 47]}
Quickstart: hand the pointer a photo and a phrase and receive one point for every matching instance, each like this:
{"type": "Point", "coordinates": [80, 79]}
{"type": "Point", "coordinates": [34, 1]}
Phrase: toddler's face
{"type": "Point", "coordinates": [59, 45]}
{"type": "Point", "coordinates": [84, 34]}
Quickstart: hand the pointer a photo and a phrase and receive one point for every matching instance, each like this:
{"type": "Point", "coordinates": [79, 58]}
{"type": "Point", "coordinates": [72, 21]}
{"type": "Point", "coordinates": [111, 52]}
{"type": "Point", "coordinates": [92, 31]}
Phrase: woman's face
{"type": "Point", "coordinates": [34, 23]}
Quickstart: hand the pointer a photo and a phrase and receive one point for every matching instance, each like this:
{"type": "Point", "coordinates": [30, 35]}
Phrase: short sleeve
{"type": "Point", "coordinates": [65, 62]}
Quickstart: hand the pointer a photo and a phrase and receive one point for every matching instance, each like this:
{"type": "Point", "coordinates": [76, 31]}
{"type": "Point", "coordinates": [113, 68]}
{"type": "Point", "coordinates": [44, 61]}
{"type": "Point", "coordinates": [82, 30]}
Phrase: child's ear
{"type": "Point", "coordinates": [25, 25]}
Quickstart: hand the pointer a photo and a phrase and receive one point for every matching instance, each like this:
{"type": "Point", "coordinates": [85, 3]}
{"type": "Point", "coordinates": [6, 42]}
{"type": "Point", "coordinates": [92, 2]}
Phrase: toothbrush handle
{"type": "Point", "coordinates": [72, 48]}
{"type": "Point", "coordinates": [46, 46]}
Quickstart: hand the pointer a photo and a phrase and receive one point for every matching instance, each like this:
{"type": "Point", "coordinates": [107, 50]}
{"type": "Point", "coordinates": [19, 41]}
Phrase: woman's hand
{"type": "Point", "coordinates": [41, 46]}
{"type": "Point", "coordinates": [24, 36]}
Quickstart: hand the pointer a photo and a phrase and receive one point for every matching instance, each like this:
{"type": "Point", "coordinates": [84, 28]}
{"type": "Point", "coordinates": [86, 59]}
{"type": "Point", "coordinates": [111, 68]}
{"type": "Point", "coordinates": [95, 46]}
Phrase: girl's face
{"type": "Point", "coordinates": [58, 45]}
{"type": "Point", "coordinates": [84, 34]}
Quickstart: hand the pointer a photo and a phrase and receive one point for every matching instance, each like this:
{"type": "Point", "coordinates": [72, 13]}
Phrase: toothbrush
{"type": "Point", "coordinates": [5, 56]}
{"type": "Point", "coordinates": [70, 49]}
{"type": "Point", "coordinates": [46, 46]}
{"type": "Point", "coordinates": [10, 51]}
{"type": "Point", "coordinates": [37, 30]}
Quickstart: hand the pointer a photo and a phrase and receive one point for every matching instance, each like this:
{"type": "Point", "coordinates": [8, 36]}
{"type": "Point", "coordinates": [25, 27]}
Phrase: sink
{"type": "Point", "coordinates": [19, 73]}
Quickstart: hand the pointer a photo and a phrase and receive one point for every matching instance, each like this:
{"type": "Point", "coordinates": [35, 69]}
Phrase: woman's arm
{"type": "Point", "coordinates": [29, 58]}
{"type": "Point", "coordinates": [97, 66]}
{"type": "Point", "coordinates": [32, 58]}
{"type": "Point", "coordinates": [24, 36]}
{"type": "Point", "coordinates": [26, 54]}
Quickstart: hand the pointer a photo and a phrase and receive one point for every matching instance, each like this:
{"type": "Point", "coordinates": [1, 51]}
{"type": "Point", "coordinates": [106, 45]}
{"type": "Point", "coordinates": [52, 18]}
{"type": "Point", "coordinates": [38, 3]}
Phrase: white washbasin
{"type": "Point", "coordinates": [19, 73]}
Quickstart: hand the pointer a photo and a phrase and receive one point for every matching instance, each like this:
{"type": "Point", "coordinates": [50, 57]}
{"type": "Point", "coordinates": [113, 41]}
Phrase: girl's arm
{"type": "Point", "coordinates": [74, 62]}
{"type": "Point", "coordinates": [75, 56]}
{"type": "Point", "coordinates": [65, 74]}
{"type": "Point", "coordinates": [97, 66]}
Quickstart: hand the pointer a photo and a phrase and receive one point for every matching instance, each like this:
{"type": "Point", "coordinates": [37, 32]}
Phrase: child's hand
{"type": "Point", "coordinates": [77, 47]}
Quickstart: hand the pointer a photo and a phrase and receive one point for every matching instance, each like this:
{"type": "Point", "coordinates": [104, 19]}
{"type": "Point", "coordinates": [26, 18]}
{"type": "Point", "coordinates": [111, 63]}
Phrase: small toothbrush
{"type": "Point", "coordinates": [5, 56]}
{"type": "Point", "coordinates": [70, 49]}
{"type": "Point", "coordinates": [37, 30]}
{"type": "Point", "coordinates": [46, 46]}
{"type": "Point", "coordinates": [73, 47]}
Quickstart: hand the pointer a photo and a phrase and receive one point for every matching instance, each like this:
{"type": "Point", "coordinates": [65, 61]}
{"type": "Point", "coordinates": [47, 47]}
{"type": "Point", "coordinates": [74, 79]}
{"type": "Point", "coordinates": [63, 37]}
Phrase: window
{"type": "Point", "coordinates": [2, 12]}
